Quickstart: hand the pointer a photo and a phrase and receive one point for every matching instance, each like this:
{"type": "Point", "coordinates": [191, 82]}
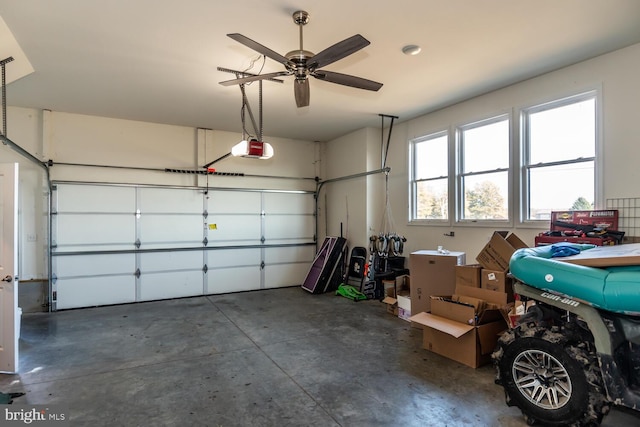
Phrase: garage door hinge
{"type": "Point", "coordinates": [137, 273]}
{"type": "Point", "coordinates": [54, 279]}
{"type": "Point", "coordinates": [138, 243]}
{"type": "Point", "coordinates": [205, 241]}
{"type": "Point", "coordinates": [262, 239]}
{"type": "Point", "coordinates": [263, 213]}
{"type": "Point", "coordinates": [205, 213]}
{"type": "Point", "coordinates": [205, 268]}
{"type": "Point", "coordinates": [262, 264]}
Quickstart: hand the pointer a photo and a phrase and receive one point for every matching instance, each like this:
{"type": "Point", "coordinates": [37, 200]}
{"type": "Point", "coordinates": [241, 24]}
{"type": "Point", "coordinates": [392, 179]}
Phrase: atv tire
{"type": "Point", "coordinates": [552, 375]}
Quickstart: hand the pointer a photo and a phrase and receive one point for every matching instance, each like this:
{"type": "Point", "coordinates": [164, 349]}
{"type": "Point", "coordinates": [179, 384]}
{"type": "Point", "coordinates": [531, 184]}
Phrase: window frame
{"type": "Point", "coordinates": [460, 175]}
{"type": "Point", "coordinates": [524, 147]}
{"type": "Point", "coordinates": [413, 193]}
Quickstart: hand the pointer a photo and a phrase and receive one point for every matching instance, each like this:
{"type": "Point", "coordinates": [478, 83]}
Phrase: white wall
{"type": "Point", "coordinates": [345, 202]}
{"type": "Point", "coordinates": [615, 73]}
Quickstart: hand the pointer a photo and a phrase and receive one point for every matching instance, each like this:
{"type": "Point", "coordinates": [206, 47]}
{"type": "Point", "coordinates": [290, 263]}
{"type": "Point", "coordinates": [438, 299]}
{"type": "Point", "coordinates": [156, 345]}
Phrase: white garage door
{"type": "Point", "coordinates": [115, 244]}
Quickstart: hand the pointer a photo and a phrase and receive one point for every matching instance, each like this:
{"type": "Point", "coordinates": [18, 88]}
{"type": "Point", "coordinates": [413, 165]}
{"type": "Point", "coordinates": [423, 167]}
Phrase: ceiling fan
{"type": "Point", "coordinates": [302, 63]}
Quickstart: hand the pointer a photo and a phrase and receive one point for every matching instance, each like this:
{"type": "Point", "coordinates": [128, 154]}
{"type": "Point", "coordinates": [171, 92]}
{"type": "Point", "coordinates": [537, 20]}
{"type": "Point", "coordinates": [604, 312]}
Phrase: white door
{"type": "Point", "coordinates": [8, 267]}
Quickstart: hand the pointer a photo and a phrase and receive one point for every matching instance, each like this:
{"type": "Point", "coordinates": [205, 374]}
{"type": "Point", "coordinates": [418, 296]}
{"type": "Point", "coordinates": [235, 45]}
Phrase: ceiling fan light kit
{"type": "Point", "coordinates": [302, 63]}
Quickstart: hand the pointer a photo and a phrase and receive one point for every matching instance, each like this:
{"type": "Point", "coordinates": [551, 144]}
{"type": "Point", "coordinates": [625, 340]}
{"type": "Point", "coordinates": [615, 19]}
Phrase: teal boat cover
{"type": "Point", "coordinates": [615, 289]}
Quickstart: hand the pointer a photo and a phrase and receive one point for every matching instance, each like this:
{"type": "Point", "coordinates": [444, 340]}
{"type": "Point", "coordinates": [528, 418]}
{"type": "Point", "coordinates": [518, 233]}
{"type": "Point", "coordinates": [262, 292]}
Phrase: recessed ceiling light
{"type": "Point", "coordinates": [411, 49]}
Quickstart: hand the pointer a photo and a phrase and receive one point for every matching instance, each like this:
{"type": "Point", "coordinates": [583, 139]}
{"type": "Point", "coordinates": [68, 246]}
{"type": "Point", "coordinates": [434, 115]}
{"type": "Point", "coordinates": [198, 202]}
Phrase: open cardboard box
{"type": "Point", "coordinates": [397, 297]}
{"type": "Point", "coordinates": [496, 254]}
{"type": "Point", "coordinates": [457, 332]}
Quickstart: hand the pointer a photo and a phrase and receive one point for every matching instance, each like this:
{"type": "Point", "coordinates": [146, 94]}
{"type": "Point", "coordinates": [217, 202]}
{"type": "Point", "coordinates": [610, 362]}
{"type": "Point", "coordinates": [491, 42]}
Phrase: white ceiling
{"type": "Point", "coordinates": [156, 61]}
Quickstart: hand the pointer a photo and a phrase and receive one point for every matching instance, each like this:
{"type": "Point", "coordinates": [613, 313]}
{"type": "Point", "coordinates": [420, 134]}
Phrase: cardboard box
{"type": "Point", "coordinates": [497, 253]}
{"type": "Point", "coordinates": [393, 289]}
{"type": "Point", "coordinates": [464, 343]}
{"type": "Point", "coordinates": [404, 306]}
{"type": "Point", "coordinates": [458, 331]}
{"type": "Point", "coordinates": [432, 273]}
{"type": "Point", "coordinates": [389, 288]}
{"type": "Point", "coordinates": [403, 283]}
{"type": "Point", "coordinates": [390, 298]}
{"type": "Point", "coordinates": [496, 281]}
{"type": "Point", "coordinates": [392, 305]}
{"type": "Point", "coordinates": [495, 301]}
{"type": "Point", "coordinates": [468, 275]}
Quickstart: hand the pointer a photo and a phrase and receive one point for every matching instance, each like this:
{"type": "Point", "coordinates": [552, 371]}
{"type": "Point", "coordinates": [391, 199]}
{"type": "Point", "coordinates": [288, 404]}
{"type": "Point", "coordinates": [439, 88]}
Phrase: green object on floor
{"type": "Point", "coordinates": [6, 398]}
{"type": "Point", "coordinates": [350, 292]}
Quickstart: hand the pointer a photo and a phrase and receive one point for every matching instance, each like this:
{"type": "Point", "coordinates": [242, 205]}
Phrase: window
{"type": "Point", "coordinates": [430, 178]}
{"type": "Point", "coordinates": [479, 181]}
{"type": "Point", "coordinates": [483, 177]}
{"type": "Point", "coordinates": [559, 148]}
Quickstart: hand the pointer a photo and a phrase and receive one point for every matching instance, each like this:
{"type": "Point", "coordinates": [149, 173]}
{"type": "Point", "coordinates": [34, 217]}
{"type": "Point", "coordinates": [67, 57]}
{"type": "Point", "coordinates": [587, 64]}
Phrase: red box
{"type": "Point", "coordinates": [542, 240]}
{"type": "Point", "coordinates": [606, 219]}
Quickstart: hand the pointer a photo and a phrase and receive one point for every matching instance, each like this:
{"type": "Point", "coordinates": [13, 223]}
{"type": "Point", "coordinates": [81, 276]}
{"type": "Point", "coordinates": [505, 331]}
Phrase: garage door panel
{"type": "Point", "coordinates": [235, 279]}
{"type": "Point", "coordinates": [289, 203]}
{"type": "Point", "coordinates": [234, 202]}
{"type": "Point", "coordinates": [277, 276]}
{"type": "Point", "coordinates": [289, 227]}
{"type": "Point", "coordinates": [93, 230]}
{"type": "Point", "coordinates": [289, 254]}
{"type": "Point", "coordinates": [170, 200]}
{"type": "Point", "coordinates": [243, 229]}
{"type": "Point", "coordinates": [169, 261]}
{"type": "Point", "coordinates": [89, 198]}
{"type": "Point", "coordinates": [171, 230]}
{"type": "Point", "coordinates": [233, 258]}
{"type": "Point", "coordinates": [170, 284]}
{"type": "Point", "coordinates": [94, 265]}
{"type": "Point", "coordinates": [93, 291]}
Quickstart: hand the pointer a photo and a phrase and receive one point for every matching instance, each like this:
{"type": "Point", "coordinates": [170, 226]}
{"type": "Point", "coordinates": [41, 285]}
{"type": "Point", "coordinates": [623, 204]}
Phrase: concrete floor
{"type": "Point", "coordinates": [278, 357]}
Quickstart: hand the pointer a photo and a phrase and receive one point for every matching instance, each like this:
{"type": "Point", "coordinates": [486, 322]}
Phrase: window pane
{"type": "Point", "coordinates": [485, 196]}
{"type": "Point", "coordinates": [563, 133]}
{"type": "Point", "coordinates": [432, 199]}
{"type": "Point", "coordinates": [431, 158]}
{"type": "Point", "coordinates": [561, 188]}
{"type": "Point", "coordinates": [486, 147]}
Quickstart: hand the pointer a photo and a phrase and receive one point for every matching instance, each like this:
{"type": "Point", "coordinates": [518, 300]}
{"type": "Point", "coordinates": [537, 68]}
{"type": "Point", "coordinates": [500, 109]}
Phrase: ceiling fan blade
{"type": "Point", "coordinates": [338, 51]}
{"type": "Point", "coordinates": [346, 80]}
{"type": "Point", "coordinates": [268, 76]}
{"type": "Point", "coordinates": [259, 48]}
{"type": "Point", "coordinates": [301, 91]}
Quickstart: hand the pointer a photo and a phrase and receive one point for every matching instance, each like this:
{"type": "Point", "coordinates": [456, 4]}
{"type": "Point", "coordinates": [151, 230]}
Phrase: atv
{"type": "Point", "coordinates": [576, 351]}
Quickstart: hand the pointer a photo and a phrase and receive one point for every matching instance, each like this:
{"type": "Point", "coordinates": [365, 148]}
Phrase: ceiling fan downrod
{"type": "Point", "coordinates": [301, 18]}
{"type": "Point", "coordinates": [300, 57]}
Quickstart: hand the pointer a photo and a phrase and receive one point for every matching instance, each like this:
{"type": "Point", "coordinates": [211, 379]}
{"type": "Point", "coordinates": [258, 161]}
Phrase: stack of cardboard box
{"type": "Point", "coordinates": [465, 325]}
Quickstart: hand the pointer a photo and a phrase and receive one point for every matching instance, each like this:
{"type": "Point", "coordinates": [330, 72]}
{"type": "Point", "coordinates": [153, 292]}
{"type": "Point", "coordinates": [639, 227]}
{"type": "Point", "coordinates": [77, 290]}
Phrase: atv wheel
{"type": "Point", "coordinates": [551, 376]}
